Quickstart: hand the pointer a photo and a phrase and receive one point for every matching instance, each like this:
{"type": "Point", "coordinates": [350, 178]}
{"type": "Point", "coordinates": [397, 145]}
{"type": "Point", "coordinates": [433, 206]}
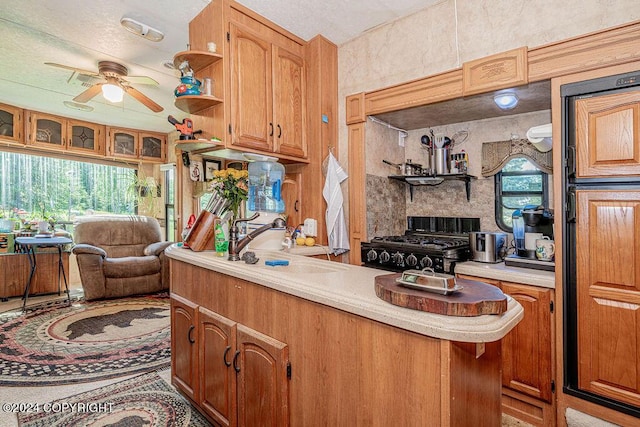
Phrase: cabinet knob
{"type": "Point", "coordinates": [279, 131]}
{"type": "Point", "coordinates": [270, 129]}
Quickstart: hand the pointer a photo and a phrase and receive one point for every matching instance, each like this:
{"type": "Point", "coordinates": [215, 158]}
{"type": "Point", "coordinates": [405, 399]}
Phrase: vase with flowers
{"type": "Point", "coordinates": [231, 185]}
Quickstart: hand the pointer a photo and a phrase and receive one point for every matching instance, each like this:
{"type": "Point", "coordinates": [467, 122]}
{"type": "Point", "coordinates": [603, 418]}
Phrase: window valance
{"type": "Point", "coordinates": [496, 154]}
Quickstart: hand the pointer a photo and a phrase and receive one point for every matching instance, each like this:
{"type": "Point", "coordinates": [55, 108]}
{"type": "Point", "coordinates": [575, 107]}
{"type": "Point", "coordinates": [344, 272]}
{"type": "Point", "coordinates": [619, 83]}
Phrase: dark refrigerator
{"type": "Point", "coordinates": [601, 244]}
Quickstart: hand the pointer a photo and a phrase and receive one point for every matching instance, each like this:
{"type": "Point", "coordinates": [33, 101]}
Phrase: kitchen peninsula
{"type": "Point", "coordinates": [311, 341]}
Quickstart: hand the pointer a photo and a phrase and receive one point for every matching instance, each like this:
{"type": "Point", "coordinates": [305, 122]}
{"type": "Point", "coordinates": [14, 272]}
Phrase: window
{"type": "Point", "coordinates": [169, 204]}
{"type": "Point", "coordinates": [518, 184]}
{"type": "Point", "coordinates": [37, 187]}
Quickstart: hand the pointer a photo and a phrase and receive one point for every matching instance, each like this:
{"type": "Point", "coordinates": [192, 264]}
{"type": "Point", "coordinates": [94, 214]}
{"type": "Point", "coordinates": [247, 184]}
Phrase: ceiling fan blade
{"type": "Point", "coordinates": [143, 99]}
{"type": "Point", "coordinates": [143, 80]}
{"type": "Point", "coordinates": [77, 70]}
{"type": "Point", "coordinates": [89, 93]}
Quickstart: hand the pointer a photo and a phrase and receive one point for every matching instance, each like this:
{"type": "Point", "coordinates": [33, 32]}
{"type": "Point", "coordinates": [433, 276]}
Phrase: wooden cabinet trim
{"type": "Point", "coordinates": [499, 71]}
{"type": "Point", "coordinates": [355, 109]}
{"type": "Point", "coordinates": [435, 88]}
{"type": "Point", "coordinates": [617, 45]}
{"type": "Point", "coordinates": [609, 47]}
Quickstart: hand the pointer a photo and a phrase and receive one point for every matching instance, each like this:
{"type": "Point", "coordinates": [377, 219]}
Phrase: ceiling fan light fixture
{"type": "Point", "coordinates": [112, 93]}
{"type": "Point", "coordinates": [506, 100]}
{"type": "Point", "coordinates": [142, 30]}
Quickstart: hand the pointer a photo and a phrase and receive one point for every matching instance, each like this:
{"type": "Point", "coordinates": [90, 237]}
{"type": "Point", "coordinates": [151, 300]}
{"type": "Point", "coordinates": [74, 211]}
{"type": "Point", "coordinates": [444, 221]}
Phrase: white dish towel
{"type": "Point", "coordinates": [332, 193]}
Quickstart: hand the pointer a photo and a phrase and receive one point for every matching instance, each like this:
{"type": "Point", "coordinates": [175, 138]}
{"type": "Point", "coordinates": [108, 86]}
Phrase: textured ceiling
{"type": "Point", "coordinates": [80, 33]}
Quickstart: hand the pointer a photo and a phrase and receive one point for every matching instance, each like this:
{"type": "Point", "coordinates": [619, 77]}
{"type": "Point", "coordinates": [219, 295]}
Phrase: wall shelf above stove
{"type": "Point", "coordinates": [422, 180]}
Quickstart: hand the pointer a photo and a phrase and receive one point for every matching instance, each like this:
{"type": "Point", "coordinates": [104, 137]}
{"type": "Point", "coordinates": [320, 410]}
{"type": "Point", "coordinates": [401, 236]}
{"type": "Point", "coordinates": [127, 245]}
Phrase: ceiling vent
{"type": "Point", "coordinates": [82, 80]}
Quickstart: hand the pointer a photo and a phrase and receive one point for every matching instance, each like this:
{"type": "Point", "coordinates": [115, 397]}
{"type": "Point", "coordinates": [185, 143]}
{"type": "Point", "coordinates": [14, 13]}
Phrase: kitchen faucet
{"type": "Point", "coordinates": [235, 245]}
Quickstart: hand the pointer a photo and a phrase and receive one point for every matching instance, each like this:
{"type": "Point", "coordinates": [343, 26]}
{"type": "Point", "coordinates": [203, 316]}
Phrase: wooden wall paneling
{"type": "Point", "coordinates": [15, 269]}
{"type": "Point", "coordinates": [357, 191]}
{"type": "Point", "coordinates": [499, 71]}
{"type": "Point", "coordinates": [474, 394]}
{"type": "Point", "coordinates": [587, 52]}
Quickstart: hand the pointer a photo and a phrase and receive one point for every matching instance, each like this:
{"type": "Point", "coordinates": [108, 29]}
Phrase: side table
{"type": "Point", "coordinates": [31, 243]}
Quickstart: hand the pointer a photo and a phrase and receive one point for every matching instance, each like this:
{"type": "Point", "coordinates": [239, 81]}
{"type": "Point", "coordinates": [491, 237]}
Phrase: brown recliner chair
{"type": "Point", "coordinates": [120, 255]}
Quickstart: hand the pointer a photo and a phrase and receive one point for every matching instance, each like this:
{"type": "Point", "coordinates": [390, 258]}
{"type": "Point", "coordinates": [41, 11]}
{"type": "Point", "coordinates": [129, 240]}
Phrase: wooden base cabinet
{"type": "Point", "coordinates": [527, 355]}
{"type": "Point", "coordinates": [236, 375]}
{"type": "Point", "coordinates": [336, 369]}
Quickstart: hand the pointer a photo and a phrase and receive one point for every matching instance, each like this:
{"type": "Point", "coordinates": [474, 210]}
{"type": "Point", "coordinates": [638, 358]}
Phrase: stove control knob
{"type": "Point", "coordinates": [412, 261]}
{"type": "Point", "coordinates": [398, 259]}
{"type": "Point", "coordinates": [426, 262]}
{"type": "Point", "coordinates": [384, 256]}
{"type": "Point", "coordinates": [372, 255]}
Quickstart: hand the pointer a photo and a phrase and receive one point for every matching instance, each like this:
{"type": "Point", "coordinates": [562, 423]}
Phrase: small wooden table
{"type": "Point", "coordinates": [31, 243]}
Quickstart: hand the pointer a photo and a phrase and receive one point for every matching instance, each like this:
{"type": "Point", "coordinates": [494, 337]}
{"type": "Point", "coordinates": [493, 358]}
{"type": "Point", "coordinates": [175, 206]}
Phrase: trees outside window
{"type": "Point", "coordinates": [518, 184]}
{"type": "Point", "coordinates": [36, 187]}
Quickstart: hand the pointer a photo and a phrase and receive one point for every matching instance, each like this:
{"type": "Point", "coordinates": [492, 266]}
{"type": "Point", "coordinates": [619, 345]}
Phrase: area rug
{"type": "Point", "coordinates": [146, 400]}
{"type": "Point", "coordinates": [87, 341]}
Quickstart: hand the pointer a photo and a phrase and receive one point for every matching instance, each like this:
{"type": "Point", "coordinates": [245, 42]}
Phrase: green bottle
{"type": "Point", "coordinates": [220, 241]}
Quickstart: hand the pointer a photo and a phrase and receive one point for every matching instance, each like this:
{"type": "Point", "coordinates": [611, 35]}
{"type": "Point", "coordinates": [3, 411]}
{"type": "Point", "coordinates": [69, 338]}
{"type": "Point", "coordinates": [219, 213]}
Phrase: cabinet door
{"type": "Point", "coordinates": [263, 389]}
{"type": "Point", "coordinates": [184, 346]}
{"type": "Point", "coordinates": [11, 123]}
{"type": "Point", "coordinates": [289, 103]}
{"type": "Point", "coordinates": [85, 137]}
{"type": "Point", "coordinates": [217, 377]}
{"type": "Point", "coordinates": [526, 350]}
{"type": "Point", "coordinates": [46, 131]}
{"type": "Point", "coordinates": [153, 147]}
{"type": "Point", "coordinates": [608, 293]}
{"type": "Point", "coordinates": [608, 128]}
{"type": "Point", "coordinates": [123, 143]}
{"type": "Point", "coordinates": [251, 96]}
{"type": "Point", "coordinates": [292, 196]}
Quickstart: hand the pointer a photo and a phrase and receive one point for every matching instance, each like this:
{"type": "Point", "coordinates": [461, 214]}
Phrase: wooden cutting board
{"type": "Point", "coordinates": [475, 299]}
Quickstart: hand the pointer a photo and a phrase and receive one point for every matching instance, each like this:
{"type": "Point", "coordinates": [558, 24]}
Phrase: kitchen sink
{"type": "Point", "coordinates": [302, 267]}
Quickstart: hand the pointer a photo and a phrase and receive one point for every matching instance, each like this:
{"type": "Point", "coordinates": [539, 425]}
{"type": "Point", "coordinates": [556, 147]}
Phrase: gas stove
{"type": "Point", "coordinates": [429, 242]}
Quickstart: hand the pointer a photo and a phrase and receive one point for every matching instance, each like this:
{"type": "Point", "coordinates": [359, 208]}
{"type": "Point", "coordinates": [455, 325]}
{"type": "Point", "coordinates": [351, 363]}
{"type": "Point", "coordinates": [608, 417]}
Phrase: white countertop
{"type": "Point", "coordinates": [308, 250]}
{"type": "Point", "coordinates": [499, 271]}
{"type": "Point", "coordinates": [351, 288]}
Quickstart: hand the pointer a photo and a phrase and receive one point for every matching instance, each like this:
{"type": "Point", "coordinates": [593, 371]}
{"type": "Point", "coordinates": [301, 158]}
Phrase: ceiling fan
{"type": "Point", "coordinates": [114, 84]}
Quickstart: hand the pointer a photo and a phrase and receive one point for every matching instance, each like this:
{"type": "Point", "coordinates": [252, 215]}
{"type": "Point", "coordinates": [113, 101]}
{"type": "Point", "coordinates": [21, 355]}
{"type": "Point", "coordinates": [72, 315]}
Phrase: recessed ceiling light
{"type": "Point", "coordinates": [506, 100]}
{"type": "Point", "coordinates": [143, 30]}
{"type": "Point", "coordinates": [78, 106]}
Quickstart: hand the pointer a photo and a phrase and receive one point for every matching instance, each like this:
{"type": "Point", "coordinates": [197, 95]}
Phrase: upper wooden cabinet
{"type": "Point", "coordinates": [11, 124]}
{"type": "Point", "coordinates": [59, 133]}
{"type": "Point", "coordinates": [608, 128]}
{"type": "Point", "coordinates": [268, 111]}
{"type": "Point", "coordinates": [138, 145]}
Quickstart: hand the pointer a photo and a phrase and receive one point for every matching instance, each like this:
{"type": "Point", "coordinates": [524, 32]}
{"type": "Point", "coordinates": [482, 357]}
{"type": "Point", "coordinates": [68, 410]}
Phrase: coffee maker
{"type": "Point", "coordinates": [529, 224]}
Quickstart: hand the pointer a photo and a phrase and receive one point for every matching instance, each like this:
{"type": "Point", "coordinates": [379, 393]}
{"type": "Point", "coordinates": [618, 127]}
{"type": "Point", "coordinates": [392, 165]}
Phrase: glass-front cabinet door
{"type": "Point", "coordinates": [85, 137]}
{"type": "Point", "coordinates": [11, 124]}
{"type": "Point", "coordinates": [123, 143]}
{"type": "Point", "coordinates": [46, 131]}
{"type": "Point", "coordinates": [153, 147]}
